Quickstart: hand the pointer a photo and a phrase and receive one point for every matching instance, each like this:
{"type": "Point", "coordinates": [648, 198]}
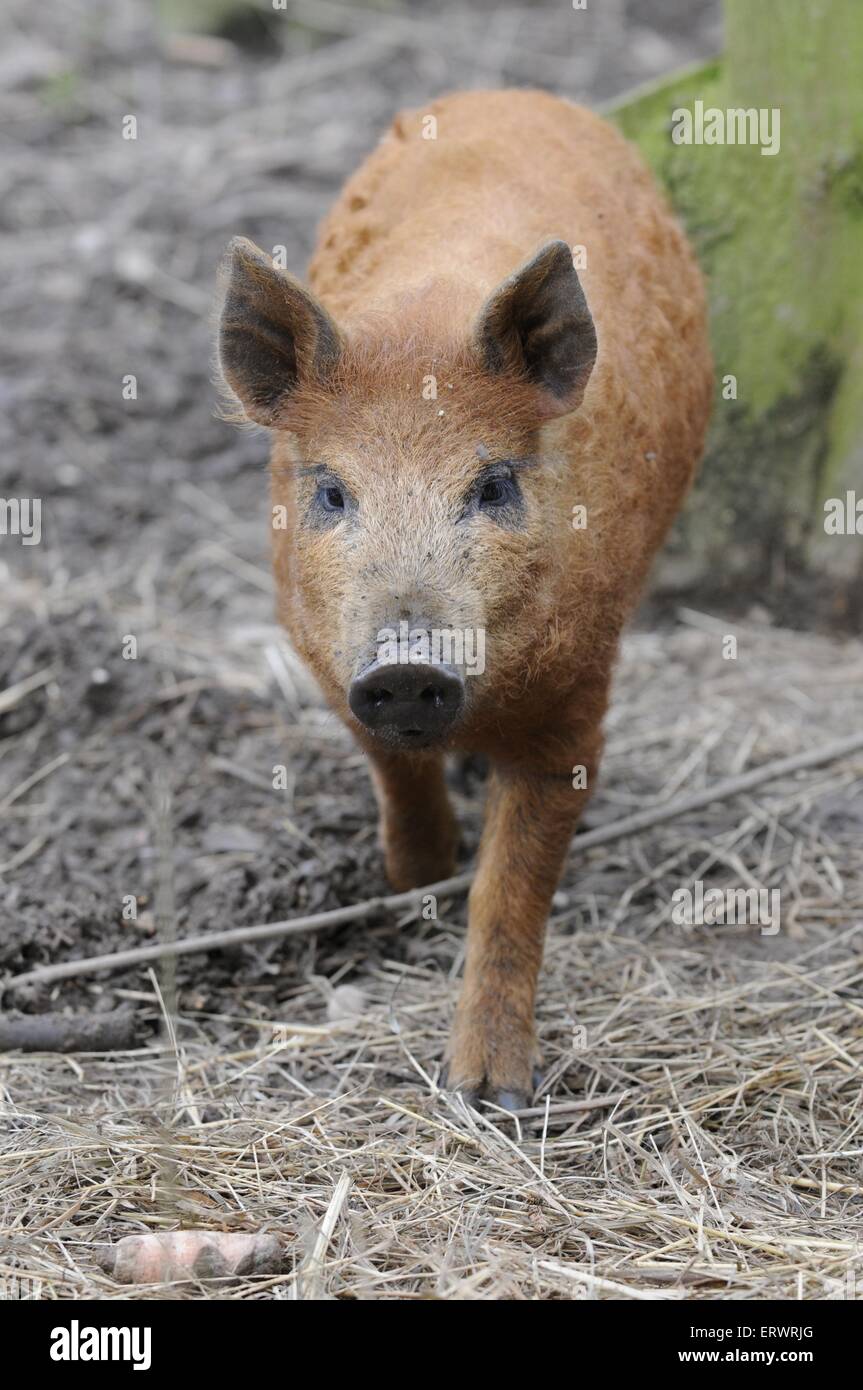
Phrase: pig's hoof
{"type": "Point", "coordinates": [475, 1079]}
{"type": "Point", "coordinates": [510, 1100]}
{"type": "Point", "coordinates": [504, 1097]}
{"type": "Point", "coordinates": [491, 1053]}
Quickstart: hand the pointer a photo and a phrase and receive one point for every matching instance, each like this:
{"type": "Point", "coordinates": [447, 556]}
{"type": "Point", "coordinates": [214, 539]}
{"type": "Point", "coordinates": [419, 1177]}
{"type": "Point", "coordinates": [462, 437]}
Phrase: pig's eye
{"type": "Point", "coordinates": [497, 496]}
{"type": "Point", "coordinates": [497, 493]}
{"type": "Point", "coordinates": [331, 504]}
{"type": "Point", "coordinates": [493, 493]}
{"type": "Point", "coordinates": [332, 498]}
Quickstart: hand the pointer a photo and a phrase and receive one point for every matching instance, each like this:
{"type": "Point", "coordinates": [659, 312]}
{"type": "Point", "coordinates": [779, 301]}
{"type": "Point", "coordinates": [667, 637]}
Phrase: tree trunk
{"type": "Point", "coordinates": [780, 237]}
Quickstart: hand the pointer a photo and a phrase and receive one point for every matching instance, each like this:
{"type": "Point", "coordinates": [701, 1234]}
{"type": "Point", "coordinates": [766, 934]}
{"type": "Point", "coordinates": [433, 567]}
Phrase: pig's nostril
{"type": "Point", "coordinates": [412, 703]}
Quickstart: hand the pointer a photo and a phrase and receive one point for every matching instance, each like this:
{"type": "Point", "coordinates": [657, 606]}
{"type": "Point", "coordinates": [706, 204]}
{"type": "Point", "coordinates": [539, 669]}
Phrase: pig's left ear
{"type": "Point", "coordinates": [537, 324]}
{"type": "Point", "coordinates": [273, 334]}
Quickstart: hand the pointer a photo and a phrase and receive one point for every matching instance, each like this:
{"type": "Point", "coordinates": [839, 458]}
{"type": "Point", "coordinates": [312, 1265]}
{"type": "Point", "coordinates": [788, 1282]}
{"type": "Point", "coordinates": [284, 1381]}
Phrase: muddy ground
{"type": "Point", "coordinates": [154, 511]}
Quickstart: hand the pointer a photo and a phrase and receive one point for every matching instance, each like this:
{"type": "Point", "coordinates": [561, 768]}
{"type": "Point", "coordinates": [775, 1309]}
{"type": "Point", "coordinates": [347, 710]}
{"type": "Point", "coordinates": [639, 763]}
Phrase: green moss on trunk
{"type": "Point", "coordinates": [781, 239]}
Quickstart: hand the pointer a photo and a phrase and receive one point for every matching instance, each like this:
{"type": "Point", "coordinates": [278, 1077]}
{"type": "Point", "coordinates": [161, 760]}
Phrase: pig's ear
{"type": "Point", "coordinates": [273, 334]}
{"type": "Point", "coordinates": [537, 324]}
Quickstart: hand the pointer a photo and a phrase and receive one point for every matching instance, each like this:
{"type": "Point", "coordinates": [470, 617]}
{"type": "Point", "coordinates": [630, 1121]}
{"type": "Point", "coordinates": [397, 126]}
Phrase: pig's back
{"type": "Point", "coordinates": [506, 172]}
{"type": "Point", "coordinates": [455, 215]}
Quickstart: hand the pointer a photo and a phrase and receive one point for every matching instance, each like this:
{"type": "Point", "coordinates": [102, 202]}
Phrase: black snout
{"type": "Point", "coordinates": [411, 705]}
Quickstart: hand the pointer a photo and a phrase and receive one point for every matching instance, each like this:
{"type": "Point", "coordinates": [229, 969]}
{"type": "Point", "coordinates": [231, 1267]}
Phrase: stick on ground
{"type": "Point", "coordinates": [448, 887]}
{"type": "Point", "coordinates": [109, 1032]}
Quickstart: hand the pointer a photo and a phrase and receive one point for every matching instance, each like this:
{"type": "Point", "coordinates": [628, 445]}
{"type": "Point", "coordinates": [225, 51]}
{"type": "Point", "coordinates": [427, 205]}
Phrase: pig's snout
{"type": "Point", "coordinates": [407, 704]}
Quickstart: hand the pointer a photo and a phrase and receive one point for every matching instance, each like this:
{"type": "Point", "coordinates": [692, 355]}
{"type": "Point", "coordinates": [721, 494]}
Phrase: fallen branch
{"type": "Point", "coordinates": [448, 887]}
{"type": "Point", "coordinates": [109, 1032]}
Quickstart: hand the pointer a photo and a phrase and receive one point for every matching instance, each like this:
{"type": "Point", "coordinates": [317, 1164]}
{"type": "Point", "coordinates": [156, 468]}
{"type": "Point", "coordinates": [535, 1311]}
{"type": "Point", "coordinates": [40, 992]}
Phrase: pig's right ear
{"type": "Point", "coordinates": [538, 326]}
{"type": "Point", "coordinates": [273, 334]}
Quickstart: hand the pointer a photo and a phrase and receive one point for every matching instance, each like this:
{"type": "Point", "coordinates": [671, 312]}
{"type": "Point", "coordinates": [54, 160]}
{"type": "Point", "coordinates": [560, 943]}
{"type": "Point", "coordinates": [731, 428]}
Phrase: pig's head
{"type": "Point", "coordinates": [415, 572]}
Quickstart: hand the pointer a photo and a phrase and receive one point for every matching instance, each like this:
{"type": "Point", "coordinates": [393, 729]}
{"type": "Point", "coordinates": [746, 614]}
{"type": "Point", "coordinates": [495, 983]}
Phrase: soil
{"type": "Point", "coordinates": [154, 510]}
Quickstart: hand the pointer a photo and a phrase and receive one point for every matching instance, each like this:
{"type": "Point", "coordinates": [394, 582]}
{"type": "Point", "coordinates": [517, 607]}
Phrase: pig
{"type": "Point", "coordinates": [485, 412]}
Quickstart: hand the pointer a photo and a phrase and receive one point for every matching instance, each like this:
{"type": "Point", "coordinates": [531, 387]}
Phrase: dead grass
{"type": "Point", "coordinates": [698, 1130]}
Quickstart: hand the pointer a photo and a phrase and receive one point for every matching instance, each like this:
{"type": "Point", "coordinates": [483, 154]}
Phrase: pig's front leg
{"type": "Point", "coordinates": [419, 833]}
{"type": "Point", "coordinates": [530, 820]}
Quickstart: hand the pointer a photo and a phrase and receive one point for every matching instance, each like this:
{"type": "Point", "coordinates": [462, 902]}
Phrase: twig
{"type": "Point", "coordinates": [32, 781]}
{"type": "Point", "coordinates": [10, 698]}
{"type": "Point", "coordinates": [448, 887]}
{"type": "Point", "coordinates": [109, 1032]}
{"type": "Point", "coordinates": [571, 1107]}
{"type": "Point", "coordinates": [216, 940]}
